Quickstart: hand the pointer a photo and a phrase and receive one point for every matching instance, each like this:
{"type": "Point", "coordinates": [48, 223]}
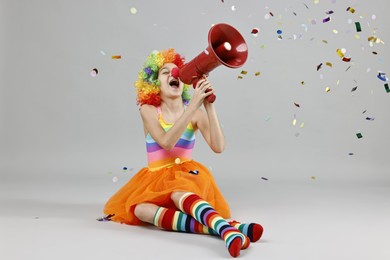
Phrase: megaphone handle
{"type": "Point", "coordinates": [211, 98]}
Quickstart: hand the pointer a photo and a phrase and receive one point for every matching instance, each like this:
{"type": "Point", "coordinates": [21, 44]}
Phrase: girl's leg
{"type": "Point", "coordinates": [201, 210]}
{"type": "Point", "coordinates": [173, 220]}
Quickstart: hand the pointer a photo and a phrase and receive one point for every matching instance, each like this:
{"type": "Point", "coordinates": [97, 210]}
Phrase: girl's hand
{"type": "Point", "coordinates": [200, 93]}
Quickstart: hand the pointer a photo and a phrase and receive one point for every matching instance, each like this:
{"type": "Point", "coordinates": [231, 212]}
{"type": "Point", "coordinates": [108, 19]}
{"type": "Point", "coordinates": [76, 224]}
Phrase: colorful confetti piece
{"type": "Point", "coordinates": [116, 57]}
{"type": "Point", "coordinates": [354, 89]}
{"type": "Point", "coordinates": [244, 72]}
{"type": "Point", "coordinates": [263, 178]}
{"type": "Point", "coordinates": [177, 160]}
{"type": "Point", "coordinates": [94, 72]}
{"type": "Point", "coordinates": [327, 19]}
{"type": "Point", "coordinates": [297, 105]}
{"type": "Point", "coordinates": [358, 27]}
{"type": "Point", "coordinates": [133, 10]}
{"type": "Point", "coordinates": [255, 32]}
{"type": "Point", "coordinates": [279, 31]}
{"type": "Point", "coordinates": [350, 9]}
{"type": "Point", "coordinates": [359, 135]}
{"type": "Point", "coordinates": [257, 73]}
{"type": "Point", "coordinates": [387, 88]}
{"type": "Point", "coordinates": [329, 64]}
{"type": "Point", "coordinates": [382, 76]}
{"type": "Point", "coordinates": [346, 59]}
{"type": "Point", "coordinates": [370, 118]}
{"type": "Point", "coordinates": [327, 89]}
{"type": "Point", "coordinates": [319, 66]}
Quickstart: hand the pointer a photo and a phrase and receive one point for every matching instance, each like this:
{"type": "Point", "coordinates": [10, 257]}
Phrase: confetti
{"type": "Point", "coordinates": [348, 68]}
{"type": "Point", "coordinates": [354, 89]}
{"type": "Point", "coordinates": [313, 177]}
{"type": "Point", "coordinates": [387, 88]}
{"type": "Point", "coordinates": [302, 83]}
{"type": "Point", "coordinates": [347, 59]}
{"type": "Point", "coordinates": [358, 27]}
{"type": "Point", "coordinates": [316, 2]}
{"type": "Point", "coordinates": [350, 9]}
{"type": "Point", "coordinates": [116, 57]}
{"type": "Point", "coordinates": [382, 76]}
{"type": "Point", "coordinates": [244, 72]}
{"type": "Point", "coordinates": [329, 64]}
{"type": "Point", "coordinates": [271, 13]}
{"type": "Point", "coordinates": [302, 125]}
{"type": "Point", "coordinates": [325, 20]}
{"type": "Point", "coordinates": [373, 17]}
{"type": "Point", "coordinates": [234, 8]}
{"type": "Point", "coordinates": [297, 105]}
{"type": "Point", "coordinates": [375, 53]}
{"type": "Point", "coordinates": [325, 41]}
{"type": "Point", "coordinates": [319, 66]}
{"type": "Point", "coordinates": [239, 77]}
{"type": "Point", "coordinates": [370, 118]}
{"type": "Point", "coordinates": [279, 31]}
{"type": "Point", "coordinates": [294, 122]}
{"type": "Point", "coordinates": [335, 31]}
{"type": "Point", "coordinates": [255, 31]}
{"type": "Point", "coordinates": [105, 218]}
{"type": "Point", "coordinates": [257, 73]}
{"type": "Point", "coordinates": [102, 52]}
{"type": "Point", "coordinates": [133, 10]}
{"type": "Point", "coordinates": [177, 160]}
{"type": "Point", "coordinates": [359, 135]}
{"type": "Point", "coordinates": [263, 178]}
{"type": "Point", "coordinates": [267, 16]}
{"type": "Point", "coordinates": [364, 111]}
{"type": "Point", "coordinates": [195, 172]}
{"type": "Point", "coordinates": [350, 153]}
{"type": "Point", "coordinates": [340, 53]}
{"type": "Point", "coordinates": [94, 72]}
{"type": "Point", "coordinates": [327, 89]}
{"type": "Point", "coordinates": [125, 168]}
{"type": "Point", "coordinates": [115, 179]}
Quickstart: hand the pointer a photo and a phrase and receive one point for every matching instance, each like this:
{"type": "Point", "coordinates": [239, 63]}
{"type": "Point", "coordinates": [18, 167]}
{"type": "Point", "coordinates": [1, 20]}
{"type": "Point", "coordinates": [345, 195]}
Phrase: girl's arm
{"type": "Point", "coordinates": [209, 126]}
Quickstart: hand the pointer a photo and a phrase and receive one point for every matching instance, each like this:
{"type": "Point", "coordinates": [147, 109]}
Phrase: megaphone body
{"type": "Point", "coordinates": [226, 47]}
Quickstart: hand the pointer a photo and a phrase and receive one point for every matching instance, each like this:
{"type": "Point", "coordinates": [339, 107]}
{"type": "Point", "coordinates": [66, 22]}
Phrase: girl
{"type": "Point", "coordinates": [174, 192]}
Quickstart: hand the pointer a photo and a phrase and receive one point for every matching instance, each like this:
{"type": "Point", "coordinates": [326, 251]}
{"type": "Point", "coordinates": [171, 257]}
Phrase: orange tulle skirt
{"type": "Point", "coordinates": [156, 187]}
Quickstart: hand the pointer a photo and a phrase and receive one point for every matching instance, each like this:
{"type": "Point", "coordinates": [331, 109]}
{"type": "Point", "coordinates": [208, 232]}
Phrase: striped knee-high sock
{"type": "Point", "coordinates": [200, 210]}
{"type": "Point", "coordinates": [253, 230]}
{"type": "Point", "coordinates": [174, 220]}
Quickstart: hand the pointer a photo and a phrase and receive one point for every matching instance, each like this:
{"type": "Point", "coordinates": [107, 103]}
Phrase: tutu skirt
{"type": "Point", "coordinates": [156, 187]}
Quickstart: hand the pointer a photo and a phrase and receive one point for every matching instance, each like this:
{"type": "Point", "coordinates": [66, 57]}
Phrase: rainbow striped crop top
{"type": "Point", "coordinates": [159, 158]}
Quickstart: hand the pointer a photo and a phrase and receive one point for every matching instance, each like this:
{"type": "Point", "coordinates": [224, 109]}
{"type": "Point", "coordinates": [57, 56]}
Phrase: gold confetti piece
{"type": "Point", "coordinates": [294, 122]}
{"type": "Point", "coordinates": [239, 77]}
{"type": "Point", "coordinates": [302, 83]}
{"type": "Point", "coordinates": [257, 73]}
{"type": "Point", "coordinates": [327, 89]}
{"type": "Point", "coordinates": [340, 53]}
{"type": "Point", "coordinates": [133, 10]}
{"type": "Point", "coordinates": [116, 57]}
{"type": "Point", "coordinates": [313, 177]}
{"type": "Point", "coordinates": [350, 9]}
{"type": "Point", "coordinates": [302, 125]}
{"type": "Point", "coordinates": [335, 31]}
{"type": "Point", "coordinates": [329, 64]}
{"type": "Point", "coordinates": [177, 160]}
{"type": "Point", "coordinates": [244, 72]}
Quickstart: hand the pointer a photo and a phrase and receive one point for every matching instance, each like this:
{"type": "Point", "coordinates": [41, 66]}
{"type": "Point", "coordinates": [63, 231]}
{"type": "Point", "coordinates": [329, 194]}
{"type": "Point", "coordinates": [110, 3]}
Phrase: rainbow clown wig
{"type": "Point", "coordinates": [147, 84]}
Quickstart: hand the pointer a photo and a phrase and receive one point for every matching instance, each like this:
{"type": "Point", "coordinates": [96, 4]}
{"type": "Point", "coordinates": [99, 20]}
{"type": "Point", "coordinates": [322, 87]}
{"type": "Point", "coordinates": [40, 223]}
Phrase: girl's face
{"type": "Point", "coordinates": [170, 86]}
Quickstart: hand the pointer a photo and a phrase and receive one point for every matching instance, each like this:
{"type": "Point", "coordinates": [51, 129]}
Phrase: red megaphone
{"type": "Point", "coordinates": [226, 47]}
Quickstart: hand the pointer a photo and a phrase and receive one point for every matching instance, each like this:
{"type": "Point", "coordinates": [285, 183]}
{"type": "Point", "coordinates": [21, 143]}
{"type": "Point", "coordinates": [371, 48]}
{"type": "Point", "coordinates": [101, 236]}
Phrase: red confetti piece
{"type": "Point", "coordinates": [346, 59]}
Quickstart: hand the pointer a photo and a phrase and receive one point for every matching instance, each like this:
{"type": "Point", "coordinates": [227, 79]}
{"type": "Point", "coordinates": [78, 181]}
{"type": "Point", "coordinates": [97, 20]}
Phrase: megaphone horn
{"type": "Point", "coordinates": [226, 47]}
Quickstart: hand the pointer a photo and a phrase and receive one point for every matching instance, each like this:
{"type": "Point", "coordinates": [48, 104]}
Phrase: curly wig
{"type": "Point", "coordinates": [147, 84]}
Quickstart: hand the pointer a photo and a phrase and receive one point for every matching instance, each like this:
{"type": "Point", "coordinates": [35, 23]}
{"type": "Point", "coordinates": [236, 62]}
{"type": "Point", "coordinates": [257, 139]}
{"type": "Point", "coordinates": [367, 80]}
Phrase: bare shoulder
{"type": "Point", "coordinates": [147, 110]}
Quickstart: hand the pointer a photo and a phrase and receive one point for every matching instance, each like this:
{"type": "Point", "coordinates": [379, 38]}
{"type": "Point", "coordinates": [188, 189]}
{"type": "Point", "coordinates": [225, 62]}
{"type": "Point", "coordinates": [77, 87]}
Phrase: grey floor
{"type": "Point", "coordinates": [51, 217]}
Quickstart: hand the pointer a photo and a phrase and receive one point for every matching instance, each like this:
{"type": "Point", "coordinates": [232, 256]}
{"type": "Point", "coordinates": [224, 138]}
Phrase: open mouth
{"type": "Point", "coordinates": [174, 83]}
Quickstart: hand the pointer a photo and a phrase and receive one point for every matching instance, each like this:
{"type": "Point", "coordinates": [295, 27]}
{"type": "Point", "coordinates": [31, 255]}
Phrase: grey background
{"type": "Point", "coordinates": [65, 135]}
